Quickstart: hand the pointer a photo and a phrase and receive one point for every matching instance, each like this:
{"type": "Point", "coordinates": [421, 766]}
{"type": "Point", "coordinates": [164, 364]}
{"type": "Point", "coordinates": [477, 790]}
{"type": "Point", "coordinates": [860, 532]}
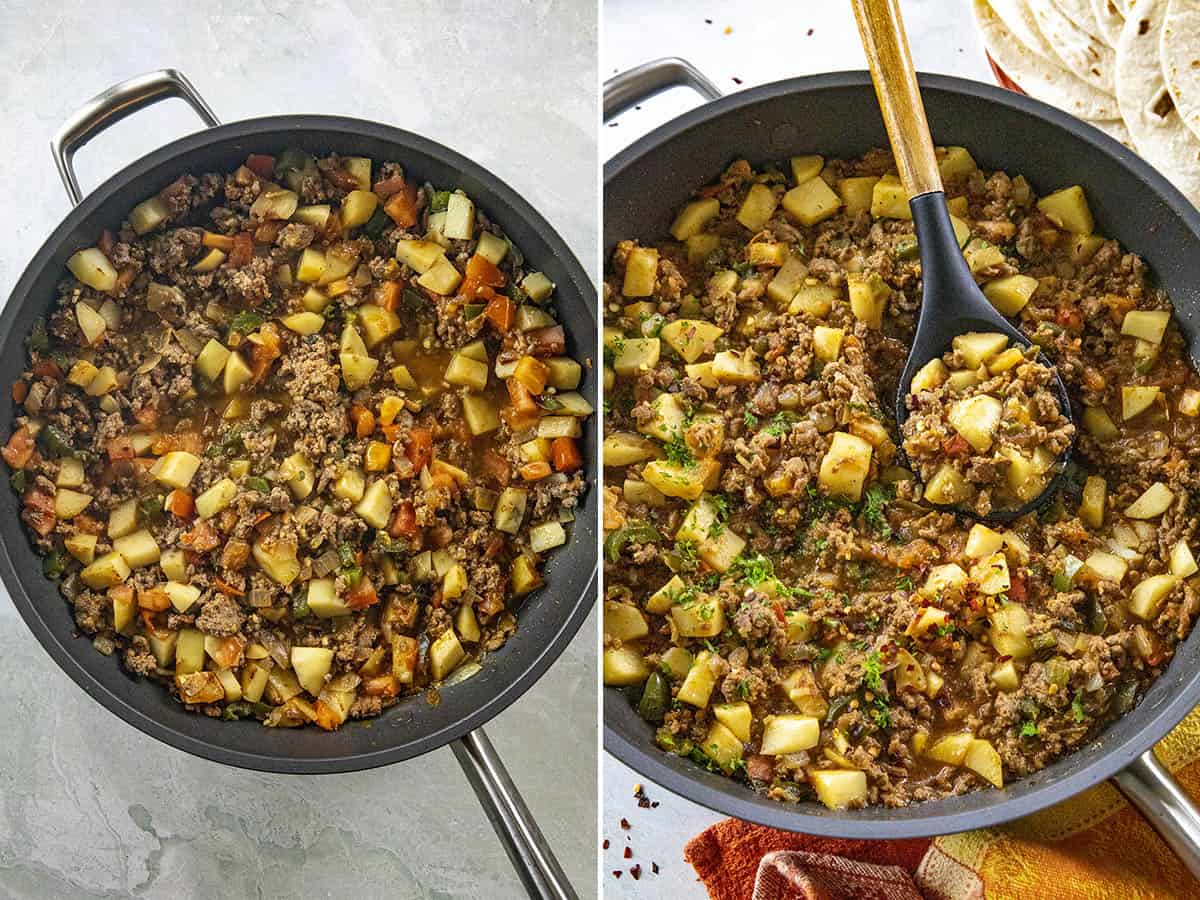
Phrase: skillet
{"type": "Point", "coordinates": [837, 115]}
{"type": "Point", "coordinates": [548, 618]}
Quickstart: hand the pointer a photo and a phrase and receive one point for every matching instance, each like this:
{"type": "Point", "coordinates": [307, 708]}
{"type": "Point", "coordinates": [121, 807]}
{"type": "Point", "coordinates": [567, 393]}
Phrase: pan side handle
{"type": "Point", "coordinates": [637, 84]}
{"type": "Point", "coordinates": [527, 848]}
{"type": "Point", "coordinates": [111, 106]}
{"type": "Point", "coordinates": [1153, 790]}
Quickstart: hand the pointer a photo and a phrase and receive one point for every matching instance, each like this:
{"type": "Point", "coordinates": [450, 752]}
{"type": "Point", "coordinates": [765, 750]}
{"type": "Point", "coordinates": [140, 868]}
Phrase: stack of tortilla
{"type": "Point", "coordinates": [1129, 67]}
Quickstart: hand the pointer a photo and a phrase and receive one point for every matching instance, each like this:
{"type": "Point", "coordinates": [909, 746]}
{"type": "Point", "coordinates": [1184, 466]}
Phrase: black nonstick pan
{"type": "Point", "coordinates": [837, 115]}
{"type": "Point", "coordinates": [548, 618]}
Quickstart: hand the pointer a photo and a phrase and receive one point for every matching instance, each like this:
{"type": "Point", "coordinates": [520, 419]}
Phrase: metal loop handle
{"type": "Point", "coordinates": [110, 107]}
{"type": "Point", "coordinates": [1153, 790]}
{"type": "Point", "coordinates": [637, 84]}
{"type": "Point", "coordinates": [527, 848]}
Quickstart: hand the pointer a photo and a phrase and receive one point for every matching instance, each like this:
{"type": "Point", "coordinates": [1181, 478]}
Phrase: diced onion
{"type": "Point", "coordinates": [1094, 683]}
{"type": "Point", "coordinates": [326, 563]}
{"type": "Point", "coordinates": [259, 597]}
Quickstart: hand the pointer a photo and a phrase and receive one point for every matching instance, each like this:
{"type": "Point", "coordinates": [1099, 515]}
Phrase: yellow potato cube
{"type": "Point", "coordinates": [811, 201]}
{"type": "Point", "coordinates": [1068, 209]}
{"type": "Point", "coordinates": [789, 734]}
{"type": "Point", "coordinates": [693, 217]}
{"type": "Point", "coordinates": [758, 207]}
{"type": "Point", "coordinates": [857, 193]}
{"type": "Point", "coordinates": [176, 469]}
{"type": "Point", "coordinates": [889, 200]}
{"type": "Point", "coordinates": [839, 788]}
{"type": "Point", "coordinates": [641, 272]}
{"type": "Point", "coordinates": [845, 466]}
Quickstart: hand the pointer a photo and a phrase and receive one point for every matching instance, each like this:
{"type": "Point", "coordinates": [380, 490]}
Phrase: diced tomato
{"type": "Point", "coordinates": [501, 312]}
{"type": "Point", "coordinates": [154, 599]}
{"type": "Point", "coordinates": [19, 449]}
{"type": "Point", "coordinates": [179, 503]}
{"type": "Point", "coordinates": [565, 454]}
{"type": "Point", "coordinates": [535, 471]}
{"type": "Point", "coordinates": [326, 717]}
{"type": "Point", "coordinates": [496, 466]}
{"type": "Point", "coordinates": [520, 397]}
{"type": "Point", "coordinates": [124, 280]}
{"type": "Point", "coordinates": [404, 522]}
{"type": "Point", "coordinates": [420, 448]}
{"type": "Point", "coordinates": [956, 446]}
{"type": "Point", "coordinates": [1018, 587]}
{"type": "Point", "coordinates": [85, 524]}
{"type": "Point", "coordinates": [389, 186]}
{"type": "Point", "coordinates": [481, 275]}
{"type": "Point", "coordinates": [362, 594]}
{"type": "Point", "coordinates": [202, 538]}
{"type": "Point", "coordinates": [47, 368]}
{"type": "Point", "coordinates": [401, 207]}
{"type": "Point", "coordinates": [20, 390]}
{"type": "Point", "coordinates": [550, 341]}
{"type": "Point", "coordinates": [261, 165]}
{"type": "Point", "coordinates": [39, 511]}
{"type": "Point", "coordinates": [363, 420]}
{"type": "Point", "coordinates": [442, 480]}
{"type": "Point", "coordinates": [227, 651]}
{"type": "Point", "coordinates": [120, 447]}
{"type": "Point", "coordinates": [264, 352]}
{"type": "Point", "coordinates": [1069, 318]}
{"type": "Point", "coordinates": [243, 250]}
{"type": "Point", "coordinates": [391, 433]}
{"type": "Point", "coordinates": [387, 295]}
{"type": "Point", "coordinates": [226, 588]}
{"type": "Point", "coordinates": [518, 421]}
{"type": "Point", "coordinates": [122, 593]}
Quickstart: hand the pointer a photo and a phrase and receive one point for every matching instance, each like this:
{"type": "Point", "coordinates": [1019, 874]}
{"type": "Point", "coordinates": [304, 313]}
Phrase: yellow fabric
{"type": "Point", "coordinates": [1091, 847]}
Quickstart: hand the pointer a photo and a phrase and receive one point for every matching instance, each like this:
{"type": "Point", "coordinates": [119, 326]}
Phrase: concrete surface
{"type": "Point", "coordinates": [766, 42]}
{"type": "Point", "coordinates": [88, 806]}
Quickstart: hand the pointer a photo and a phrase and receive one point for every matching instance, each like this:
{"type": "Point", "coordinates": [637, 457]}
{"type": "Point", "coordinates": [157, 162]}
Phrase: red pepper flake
{"type": "Point", "coordinates": [736, 80]}
{"type": "Point", "coordinates": [809, 33]}
{"type": "Point", "coordinates": [616, 873]}
{"type": "Point", "coordinates": [625, 826]}
{"type": "Point", "coordinates": [654, 867]}
{"type": "Point", "coordinates": [606, 843]}
{"type": "Point", "coordinates": [628, 853]}
{"type": "Point", "coordinates": [636, 872]}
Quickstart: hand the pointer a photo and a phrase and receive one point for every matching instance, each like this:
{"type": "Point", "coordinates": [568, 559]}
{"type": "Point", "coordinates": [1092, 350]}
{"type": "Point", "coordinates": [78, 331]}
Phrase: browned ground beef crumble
{"type": "Point", "coordinates": [295, 439]}
{"type": "Point", "coordinates": [780, 600]}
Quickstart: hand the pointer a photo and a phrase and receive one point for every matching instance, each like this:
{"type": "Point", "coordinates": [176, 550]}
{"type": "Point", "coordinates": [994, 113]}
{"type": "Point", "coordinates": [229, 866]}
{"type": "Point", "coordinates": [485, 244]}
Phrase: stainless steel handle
{"type": "Point", "coordinates": [110, 107]}
{"type": "Point", "coordinates": [635, 85]}
{"type": "Point", "coordinates": [1150, 787]}
{"type": "Point", "coordinates": [527, 848]}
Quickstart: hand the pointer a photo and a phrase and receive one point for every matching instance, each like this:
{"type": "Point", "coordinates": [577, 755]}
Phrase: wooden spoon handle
{"type": "Point", "coordinates": [886, 46]}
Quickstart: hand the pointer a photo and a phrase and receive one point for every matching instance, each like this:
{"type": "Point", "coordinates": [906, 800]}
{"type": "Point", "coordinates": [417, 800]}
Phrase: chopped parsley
{"type": "Point", "coordinates": [743, 688]}
{"type": "Point", "coordinates": [679, 453]}
{"type": "Point", "coordinates": [750, 420]}
{"type": "Point", "coordinates": [782, 423]}
{"type": "Point", "coordinates": [246, 321]}
{"type": "Point", "coordinates": [872, 667]}
{"type": "Point", "coordinates": [1077, 707]}
{"type": "Point", "coordinates": [1029, 728]}
{"type": "Point", "coordinates": [878, 496]}
{"type": "Point", "coordinates": [904, 583]}
{"type": "Point", "coordinates": [880, 714]}
{"type": "Point", "coordinates": [688, 554]}
{"type": "Point", "coordinates": [754, 570]}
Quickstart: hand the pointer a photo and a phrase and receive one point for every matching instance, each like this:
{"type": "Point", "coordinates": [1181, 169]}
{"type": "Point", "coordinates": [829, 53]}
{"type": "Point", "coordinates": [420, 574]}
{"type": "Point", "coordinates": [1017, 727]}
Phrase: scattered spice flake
{"type": "Point", "coordinates": [809, 33]}
{"type": "Point", "coordinates": [635, 872]}
{"type": "Point", "coordinates": [628, 853]}
{"type": "Point", "coordinates": [654, 867]}
{"type": "Point", "coordinates": [606, 843]}
{"type": "Point", "coordinates": [616, 873]}
{"type": "Point", "coordinates": [625, 826]}
{"type": "Point", "coordinates": [708, 21]}
{"type": "Point", "coordinates": [736, 80]}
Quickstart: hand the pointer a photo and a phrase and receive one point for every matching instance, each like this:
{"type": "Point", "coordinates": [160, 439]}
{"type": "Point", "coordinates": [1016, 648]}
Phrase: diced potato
{"type": "Point", "coordinates": [636, 355]}
{"type": "Point", "coordinates": [857, 193]}
{"type": "Point", "coordinates": [177, 468]}
{"type": "Point", "coordinates": [951, 749]}
{"type": "Point", "coordinates": [678, 480]}
{"type": "Point", "coordinates": [358, 207]}
{"type": "Point", "coordinates": [1009, 359]}
{"type": "Point", "coordinates": [123, 519]}
{"type": "Point", "coordinates": [1107, 566]}
{"type": "Point", "coordinates": [991, 574]}
{"type": "Point", "coordinates": [1183, 563]}
{"type": "Point", "coordinates": [701, 246]}
{"type": "Point", "coordinates": [1008, 629]}
{"type": "Point", "coordinates": [277, 559]}
{"type": "Point", "coordinates": [454, 582]}
{"type": "Point", "coordinates": [845, 466]}
{"type": "Point", "coordinates": [460, 217]}
{"type": "Point", "coordinates": [660, 602]}
{"type": "Point", "coordinates": [839, 788]}
{"type": "Point", "coordinates": [1136, 399]}
{"type": "Point", "coordinates": [948, 579]}
{"type": "Point", "coordinates": [698, 685]}
{"type": "Point", "coordinates": [420, 256]}
{"type": "Point", "coordinates": [1189, 402]}
{"type": "Point", "coordinates": [68, 504]}
{"type": "Point", "coordinates": [982, 759]}
{"type": "Point", "coordinates": [736, 367]}
{"type": "Point", "coordinates": [976, 418]}
{"type": "Point", "coordinates": [182, 596]}
{"type": "Point", "coordinates": [82, 373]}
{"type": "Point", "coordinates": [572, 403]}
{"type": "Point", "coordinates": [959, 206]}
{"type": "Point", "coordinates": [357, 371]}
{"type": "Point", "coordinates": [1068, 209]}
{"type": "Point", "coordinates": [789, 734]}
{"type": "Point", "coordinates": [1154, 501]}
{"type": "Point", "coordinates": [445, 654]}
{"type": "Point", "coordinates": [236, 373]}
{"type": "Point", "coordinates": [947, 487]}
{"type": "Point", "coordinates": [962, 231]}
{"type": "Point", "coordinates": [636, 492]}
{"type": "Point", "coordinates": [480, 413]}
{"type": "Point", "coordinates": [981, 254]}
{"type": "Point", "coordinates": [641, 272]}
{"type": "Point", "coordinates": [787, 281]}
{"type": "Point", "coordinates": [91, 323]}
{"type": "Point", "coordinates": [212, 359]}
{"type": "Point", "coordinates": [1098, 423]}
{"type": "Point", "coordinates": [1149, 325]}
{"type": "Point", "coordinates": [958, 381]}
{"type": "Point", "coordinates": [930, 376]}
{"type": "Point", "coordinates": [701, 618]}
{"type": "Point", "coordinates": [977, 347]}
{"type": "Point", "coordinates": [106, 571]}
{"type": "Point", "coordinates": [323, 600]}
{"type": "Point", "coordinates": [1091, 505]}
{"type": "Point", "coordinates": [806, 167]}
{"type": "Point", "coordinates": [669, 418]}
{"type": "Point", "coordinates": [955, 162]}
{"type": "Point", "coordinates": [691, 338]}
{"type": "Point", "coordinates": [148, 215]}
{"type": "Point", "coordinates": [624, 621]}
{"type": "Point", "coordinates": [311, 665]}
{"type": "Point", "coordinates": [138, 549]}
{"type": "Point", "coordinates": [510, 510]}
{"type": "Point", "coordinates": [316, 215]}
{"type": "Point", "coordinates": [375, 508]}
{"type": "Point", "coordinates": [1005, 676]}
{"type": "Point", "coordinates": [982, 541]}
{"type": "Point", "coordinates": [927, 619]}
{"type": "Point", "coordinates": [311, 266]}
{"type": "Point", "coordinates": [82, 547]}
{"type": "Point", "coordinates": [766, 253]}
{"type": "Point", "coordinates": [758, 207]}
{"type": "Point", "coordinates": [492, 248]}
{"type": "Point", "coordinates": [827, 343]}
{"type": "Point", "coordinates": [736, 717]}
{"type": "Point", "coordinates": [722, 746]}
{"type": "Point", "coordinates": [441, 278]}
{"type": "Point", "coordinates": [621, 448]}
{"type": "Point", "coordinates": [811, 201]}
{"type": "Point", "coordinates": [693, 217]}
{"type": "Point", "coordinates": [216, 498]}
{"type": "Point", "coordinates": [565, 373]}
{"type": "Point", "coordinates": [468, 373]}
{"type": "Point", "coordinates": [104, 382]}
{"type": "Point", "coordinates": [624, 666]}
{"type": "Point", "coordinates": [378, 324]}
{"type": "Point", "coordinates": [889, 200]}
{"type": "Point", "coordinates": [92, 267]}
{"type": "Point", "coordinates": [869, 297]}
{"type": "Point", "coordinates": [1147, 598]}
{"type": "Point", "coordinates": [815, 299]}
{"type": "Point", "coordinates": [546, 536]}
{"type": "Point", "coordinates": [299, 474]}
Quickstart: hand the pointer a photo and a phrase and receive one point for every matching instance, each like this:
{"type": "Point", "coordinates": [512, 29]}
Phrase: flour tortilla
{"type": "Point", "coordinates": [1082, 55]}
{"type": "Point", "coordinates": [1109, 20]}
{"type": "Point", "coordinates": [1039, 77]}
{"type": "Point", "coordinates": [1115, 129]}
{"type": "Point", "coordinates": [1158, 132]}
{"type": "Point", "coordinates": [1079, 12]}
{"type": "Point", "coordinates": [1019, 20]}
{"type": "Point", "coordinates": [1179, 53]}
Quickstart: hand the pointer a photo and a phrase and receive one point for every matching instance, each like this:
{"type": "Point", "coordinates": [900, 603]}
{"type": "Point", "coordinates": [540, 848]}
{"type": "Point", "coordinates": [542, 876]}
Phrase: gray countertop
{"type": "Point", "coordinates": [765, 42]}
{"type": "Point", "coordinates": [89, 807]}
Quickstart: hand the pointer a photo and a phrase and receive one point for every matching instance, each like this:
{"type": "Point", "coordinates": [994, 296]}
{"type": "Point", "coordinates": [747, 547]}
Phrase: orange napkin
{"type": "Point", "coordinates": [1091, 847]}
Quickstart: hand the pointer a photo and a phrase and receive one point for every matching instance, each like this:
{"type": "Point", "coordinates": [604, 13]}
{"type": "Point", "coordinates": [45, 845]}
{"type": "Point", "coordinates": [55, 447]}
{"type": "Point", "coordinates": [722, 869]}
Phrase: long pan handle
{"type": "Point", "coordinates": [527, 848]}
{"type": "Point", "coordinates": [111, 106]}
{"type": "Point", "coordinates": [637, 84]}
{"type": "Point", "coordinates": [1148, 785]}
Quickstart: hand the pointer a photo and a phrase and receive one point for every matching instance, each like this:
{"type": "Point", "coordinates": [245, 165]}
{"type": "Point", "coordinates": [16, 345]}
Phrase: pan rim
{"type": "Point", "coordinates": [540, 659]}
{"type": "Point", "coordinates": [734, 799]}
